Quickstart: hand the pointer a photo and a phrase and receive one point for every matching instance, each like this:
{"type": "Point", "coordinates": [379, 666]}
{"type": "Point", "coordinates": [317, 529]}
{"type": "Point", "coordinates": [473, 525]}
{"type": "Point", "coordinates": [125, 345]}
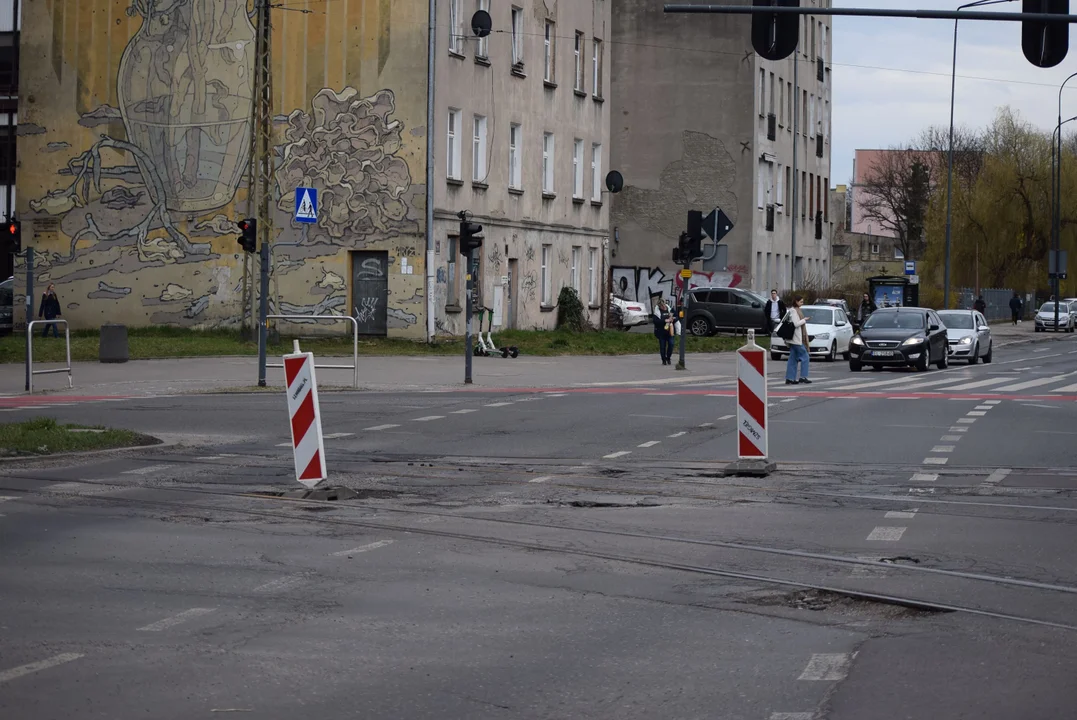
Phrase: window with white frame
{"type": "Point", "coordinates": [482, 49]}
{"type": "Point", "coordinates": [547, 281]}
{"type": "Point", "coordinates": [898, 254]}
{"type": "Point", "coordinates": [478, 150]}
{"type": "Point", "coordinates": [517, 36]}
{"type": "Point", "coordinates": [592, 276]}
{"type": "Point", "coordinates": [452, 146]}
{"type": "Point", "coordinates": [596, 172]}
{"type": "Point", "coordinates": [514, 156]}
{"type": "Point", "coordinates": [762, 91]}
{"type": "Point", "coordinates": [577, 256]}
{"type": "Point", "coordinates": [549, 42]}
{"type": "Point", "coordinates": [547, 163]}
{"type": "Point", "coordinates": [456, 34]}
{"type": "Point", "coordinates": [577, 169]}
{"type": "Point", "coordinates": [779, 195]}
{"type": "Point", "coordinates": [875, 248]}
{"type": "Point", "coordinates": [578, 56]}
{"type": "Point", "coordinates": [596, 67]}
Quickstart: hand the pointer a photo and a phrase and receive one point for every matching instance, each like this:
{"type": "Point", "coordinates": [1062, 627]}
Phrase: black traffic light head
{"type": "Point", "coordinates": [249, 239]}
{"type": "Point", "coordinates": [774, 36]}
{"type": "Point", "coordinates": [470, 237]}
{"type": "Point", "coordinates": [692, 241]}
{"type": "Point", "coordinates": [1045, 44]}
{"type": "Point", "coordinates": [12, 241]}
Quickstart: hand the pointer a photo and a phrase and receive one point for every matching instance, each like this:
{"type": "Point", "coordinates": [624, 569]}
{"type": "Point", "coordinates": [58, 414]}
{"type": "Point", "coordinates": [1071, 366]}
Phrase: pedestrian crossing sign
{"type": "Point", "coordinates": [306, 205]}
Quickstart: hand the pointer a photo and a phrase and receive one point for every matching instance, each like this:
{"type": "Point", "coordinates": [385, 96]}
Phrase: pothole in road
{"type": "Point", "coordinates": [645, 503]}
{"type": "Point", "coordinates": [849, 605]}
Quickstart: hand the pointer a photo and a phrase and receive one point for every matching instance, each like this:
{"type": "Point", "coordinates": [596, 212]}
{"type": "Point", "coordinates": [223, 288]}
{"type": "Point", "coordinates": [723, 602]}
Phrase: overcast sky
{"type": "Point", "coordinates": [892, 77]}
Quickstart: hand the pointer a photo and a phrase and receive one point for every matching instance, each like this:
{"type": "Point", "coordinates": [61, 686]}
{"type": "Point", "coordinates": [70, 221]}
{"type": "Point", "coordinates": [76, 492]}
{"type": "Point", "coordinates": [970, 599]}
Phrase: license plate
{"type": "Point", "coordinates": [882, 353]}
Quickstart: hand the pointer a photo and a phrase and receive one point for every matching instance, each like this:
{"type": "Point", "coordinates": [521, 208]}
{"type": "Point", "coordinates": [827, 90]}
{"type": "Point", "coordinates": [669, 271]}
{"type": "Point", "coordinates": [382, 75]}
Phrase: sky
{"type": "Point", "coordinates": [892, 77]}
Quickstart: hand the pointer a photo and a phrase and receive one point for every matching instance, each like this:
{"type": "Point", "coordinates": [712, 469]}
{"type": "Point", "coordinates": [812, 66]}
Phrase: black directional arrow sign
{"type": "Point", "coordinates": [716, 225]}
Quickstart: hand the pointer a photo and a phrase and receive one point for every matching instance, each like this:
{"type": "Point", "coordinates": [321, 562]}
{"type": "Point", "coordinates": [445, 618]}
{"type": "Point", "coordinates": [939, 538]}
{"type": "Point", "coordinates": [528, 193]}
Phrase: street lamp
{"type": "Point", "coordinates": [1056, 191]}
{"type": "Point", "coordinates": [950, 155]}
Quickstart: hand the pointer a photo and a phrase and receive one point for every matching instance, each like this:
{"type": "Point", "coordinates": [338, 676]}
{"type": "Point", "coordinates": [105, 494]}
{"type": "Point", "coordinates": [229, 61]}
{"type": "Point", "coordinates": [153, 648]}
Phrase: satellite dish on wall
{"type": "Point", "coordinates": [614, 182]}
{"type": "Point", "coordinates": [481, 23]}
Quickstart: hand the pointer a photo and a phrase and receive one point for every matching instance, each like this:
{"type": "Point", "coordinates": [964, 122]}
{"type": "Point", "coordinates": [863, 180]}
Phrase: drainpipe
{"type": "Point", "coordinates": [431, 327]}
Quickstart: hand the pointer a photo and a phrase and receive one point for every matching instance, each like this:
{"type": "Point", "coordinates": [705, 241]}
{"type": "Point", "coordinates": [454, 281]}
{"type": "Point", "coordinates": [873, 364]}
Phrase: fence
{"type": "Point", "coordinates": [997, 299]}
{"type": "Point", "coordinates": [354, 367]}
{"type": "Point", "coordinates": [30, 353]}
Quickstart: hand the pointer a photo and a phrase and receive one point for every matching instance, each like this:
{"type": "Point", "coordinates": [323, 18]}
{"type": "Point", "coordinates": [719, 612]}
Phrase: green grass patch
{"type": "Point", "coordinates": [45, 436]}
{"type": "Point", "coordinates": [165, 342]}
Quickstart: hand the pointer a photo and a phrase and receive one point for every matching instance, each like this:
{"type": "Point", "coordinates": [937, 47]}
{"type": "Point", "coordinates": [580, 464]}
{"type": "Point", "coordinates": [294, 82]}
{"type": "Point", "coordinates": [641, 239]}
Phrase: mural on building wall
{"type": "Point", "coordinates": [648, 285]}
{"type": "Point", "coordinates": [140, 160]}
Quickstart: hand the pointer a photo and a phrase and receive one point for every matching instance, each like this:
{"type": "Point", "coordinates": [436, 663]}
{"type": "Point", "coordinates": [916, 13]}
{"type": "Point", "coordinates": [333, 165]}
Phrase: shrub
{"type": "Point", "coordinates": [569, 311]}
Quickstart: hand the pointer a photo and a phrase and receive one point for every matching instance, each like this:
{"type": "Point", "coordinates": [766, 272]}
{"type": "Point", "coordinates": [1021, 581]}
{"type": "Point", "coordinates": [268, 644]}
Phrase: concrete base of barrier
{"type": "Point", "coordinates": [750, 468]}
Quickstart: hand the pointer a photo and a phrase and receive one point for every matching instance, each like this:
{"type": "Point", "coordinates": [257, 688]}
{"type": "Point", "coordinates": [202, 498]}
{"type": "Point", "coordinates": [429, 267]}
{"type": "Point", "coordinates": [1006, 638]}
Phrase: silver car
{"type": "Point", "coordinates": [968, 335]}
{"type": "Point", "coordinates": [1045, 318]}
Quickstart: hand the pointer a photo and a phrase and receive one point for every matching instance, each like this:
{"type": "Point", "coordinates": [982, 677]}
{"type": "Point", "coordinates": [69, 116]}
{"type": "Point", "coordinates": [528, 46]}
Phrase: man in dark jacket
{"type": "Point", "coordinates": [1015, 307]}
{"type": "Point", "coordinates": [867, 307]}
{"type": "Point", "coordinates": [50, 309]}
{"type": "Point", "coordinates": [774, 311]}
{"type": "Point", "coordinates": [980, 306]}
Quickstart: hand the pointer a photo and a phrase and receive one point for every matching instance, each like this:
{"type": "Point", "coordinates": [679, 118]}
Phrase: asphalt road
{"type": "Point", "coordinates": [565, 552]}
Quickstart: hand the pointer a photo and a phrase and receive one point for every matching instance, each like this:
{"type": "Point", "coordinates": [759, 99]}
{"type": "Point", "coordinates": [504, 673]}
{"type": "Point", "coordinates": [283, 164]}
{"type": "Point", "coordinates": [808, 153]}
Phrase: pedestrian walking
{"type": "Point", "coordinates": [663, 330]}
{"type": "Point", "coordinates": [867, 307]}
{"type": "Point", "coordinates": [773, 311]}
{"type": "Point", "coordinates": [798, 345]}
{"type": "Point", "coordinates": [980, 306]}
{"type": "Point", "coordinates": [50, 310]}
{"type": "Point", "coordinates": [1015, 307]}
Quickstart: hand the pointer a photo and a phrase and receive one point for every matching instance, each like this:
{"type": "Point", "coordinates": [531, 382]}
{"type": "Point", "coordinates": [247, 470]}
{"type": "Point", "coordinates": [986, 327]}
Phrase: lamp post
{"type": "Point", "coordinates": [1056, 191]}
{"type": "Point", "coordinates": [950, 155]}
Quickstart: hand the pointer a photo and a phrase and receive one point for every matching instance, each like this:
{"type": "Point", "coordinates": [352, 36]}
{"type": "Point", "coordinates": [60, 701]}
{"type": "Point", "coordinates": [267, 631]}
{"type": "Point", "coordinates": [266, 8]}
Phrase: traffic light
{"type": "Point", "coordinates": [774, 36]}
{"type": "Point", "coordinates": [470, 237]}
{"type": "Point", "coordinates": [695, 234]}
{"type": "Point", "coordinates": [13, 237]}
{"type": "Point", "coordinates": [1045, 44]}
{"type": "Point", "coordinates": [249, 239]}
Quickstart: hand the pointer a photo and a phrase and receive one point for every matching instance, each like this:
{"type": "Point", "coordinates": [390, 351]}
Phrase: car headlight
{"type": "Point", "coordinates": [857, 340]}
{"type": "Point", "coordinates": [967, 340]}
{"type": "Point", "coordinates": [823, 336]}
{"type": "Point", "coordinates": [913, 341]}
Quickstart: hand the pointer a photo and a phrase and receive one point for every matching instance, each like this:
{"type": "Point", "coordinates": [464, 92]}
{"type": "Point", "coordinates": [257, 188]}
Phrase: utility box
{"type": "Point", "coordinates": [894, 291]}
{"type": "Point", "coordinates": [113, 347]}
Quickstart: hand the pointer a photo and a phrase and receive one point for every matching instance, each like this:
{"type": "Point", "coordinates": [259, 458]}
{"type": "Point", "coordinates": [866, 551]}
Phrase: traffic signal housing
{"type": "Point", "coordinates": [12, 241]}
{"type": "Point", "coordinates": [775, 36]}
{"type": "Point", "coordinates": [1045, 44]}
{"type": "Point", "coordinates": [470, 237]}
{"type": "Point", "coordinates": [248, 240]}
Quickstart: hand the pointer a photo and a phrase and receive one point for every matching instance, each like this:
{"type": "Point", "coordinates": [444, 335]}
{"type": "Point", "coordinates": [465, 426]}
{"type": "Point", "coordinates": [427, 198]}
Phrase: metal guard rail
{"type": "Point", "coordinates": [354, 367]}
{"type": "Point", "coordinates": [30, 351]}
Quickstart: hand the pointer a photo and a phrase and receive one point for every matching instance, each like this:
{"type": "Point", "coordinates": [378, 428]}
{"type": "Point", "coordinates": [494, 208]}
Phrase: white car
{"type": "Point", "coordinates": [829, 334]}
{"type": "Point", "coordinates": [1045, 318]}
{"type": "Point", "coordinates": [968, 335]}
{"type": "Point", "coordinates": [632, 313]}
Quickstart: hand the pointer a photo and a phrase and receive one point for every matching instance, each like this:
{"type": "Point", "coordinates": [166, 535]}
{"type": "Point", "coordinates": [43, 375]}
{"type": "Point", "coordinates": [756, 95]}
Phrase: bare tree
{"type": "Point", "coordinates": [895, 194]}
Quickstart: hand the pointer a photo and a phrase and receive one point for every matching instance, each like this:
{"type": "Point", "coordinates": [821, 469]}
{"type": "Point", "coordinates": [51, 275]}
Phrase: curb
{"type": "Point", "coordinates": [87, 453]}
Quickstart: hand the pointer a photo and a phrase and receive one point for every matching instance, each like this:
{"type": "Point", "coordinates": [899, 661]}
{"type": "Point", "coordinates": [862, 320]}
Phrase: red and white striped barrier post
{"type": "Point", "coordinates": [753, 417]}
{"type": "Point", "coordinates": [306, 421]}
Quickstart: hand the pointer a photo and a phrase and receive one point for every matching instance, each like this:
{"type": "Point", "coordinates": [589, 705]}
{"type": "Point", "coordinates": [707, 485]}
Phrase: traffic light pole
{"type": "Point", "coordinates": [468, 309]}
{"type": "Point", "coordinates": [263, 311]}
{"type": "Point", "coordinates": [29, 308]}
{"type": "Point", "coordinates": [686, 275]}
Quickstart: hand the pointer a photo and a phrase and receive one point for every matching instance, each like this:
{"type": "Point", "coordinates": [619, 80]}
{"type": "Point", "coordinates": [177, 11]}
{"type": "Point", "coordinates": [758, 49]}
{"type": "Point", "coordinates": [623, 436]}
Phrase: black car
{"type": "Point", "coordinates": [898, 337]}
{"type": "Point", "coordinates": [714, 309]}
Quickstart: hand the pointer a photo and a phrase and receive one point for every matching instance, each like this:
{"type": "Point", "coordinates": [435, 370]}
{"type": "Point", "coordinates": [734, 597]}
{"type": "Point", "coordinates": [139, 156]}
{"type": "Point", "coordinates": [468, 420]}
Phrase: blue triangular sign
{"type": "Point", "coordinates": [306, 206]}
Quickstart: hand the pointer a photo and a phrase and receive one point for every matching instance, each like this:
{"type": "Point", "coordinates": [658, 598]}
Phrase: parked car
{"type": "Point", "coordinates": [1045, 318]}
{"type": "Point", "coordinates": [968, 334]}
{"type": "Point", "coordinates": [7, 306]}
{"type": "Point", "coordinates": [901, 337]}
{"type": "Point", "coordinates": [829, 333]}
{"type": "Point", "coordinates": [628, 312]}
{"type": "Point", "coordinates": [714, 309]}
{"type": "Point", "coordinates": [840, 303]}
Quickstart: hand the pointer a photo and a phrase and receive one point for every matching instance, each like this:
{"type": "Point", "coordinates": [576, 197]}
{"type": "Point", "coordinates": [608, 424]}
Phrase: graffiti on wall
{"type": "Point", "coordinates": [648, 285]}
{"type": "Point", "coordinates": [142, 174]}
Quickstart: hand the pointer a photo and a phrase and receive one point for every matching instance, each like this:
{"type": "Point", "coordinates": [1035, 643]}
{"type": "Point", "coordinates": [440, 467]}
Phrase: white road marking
{"type": "Point", "coordinates": [334, 436]}
{"type": "Point", "coordinates": [428, 418]}
{"type": "Point", "coordinates": [1032, 383]}
{"type": "Point", "coordinates": [966, 421]}
{"type": "Point", "coordinates": [924, 477]}
{"type": "Point", "coordinates": [792, 716]}
{"type": "Point", "coordinates": [463, 412]}
{"type": "Point", "coordinates": [34, 667]}
{"type": "Point", "coordinates": [705, 425]}
{"type": "Point", "coordinates": [376, 427]}
{"type": "Point", "coordinates": [363, 548]}
{"type": "Point", "coordinates": [541, 479]}
{"type": "Point", "coordinates": [829, 667]}
{"type": "Point", "coordinates": [976, 413]}
{"type": "Point", "coordinates": [886, 534]}
{"type": "Point", "coordinates": [959, 429]}
{"type": "Point", "coordinates": [943, 448]}
{"type": "Point", "coordinates": [1067, 389]}
{"type": "Point", "coordinates": [281, 583]}
{"type": "Point", "coordinates": [901, 514]}
{"type": "Point", "coordinates": [789, 400]}
{"type": "Point", "coordinates": [980, 384]}
{"type": "Point", "coordinates": [727, 417]}
{"type": "Point", "coordinates": [678, 434]}
{"type": "Point", "coordinates": [997, 476]}
{"type": "Point", "coordinates": [175, 619]}
{"type": "Point", "coordinates": [647, 383]}
{"type": "Point", "coordinates": [498, 404]}
{"type": "Point", "coordinates": [951, 438]}
{"type": "Point", "coordinates": [210, 457]}
{"type": "Point", "coordinates": [992, 402]}
{"type": "Point", "coordinates": [556, 394]}
{"type": "Point", "coordinates": [1039, 405]}
{"type": "Point", "coordinates": [618, 454]}
{"type": "Point", "coordinates": [661, 394]}
{"type": "Point", "coordinates": [649, 443]}
{"type": "Point", "coordinates": [902, 397]}
{"type": "Point", "coordinates": [5, 498]}
{"type": "Point", "coordinates": [288, 444]}
{"type": "Point", "coordinates": [983, 407]}
{"type": "Point", "coordinates": [146, 470]}
{"type": "Point", "coordinates": [935, 461]}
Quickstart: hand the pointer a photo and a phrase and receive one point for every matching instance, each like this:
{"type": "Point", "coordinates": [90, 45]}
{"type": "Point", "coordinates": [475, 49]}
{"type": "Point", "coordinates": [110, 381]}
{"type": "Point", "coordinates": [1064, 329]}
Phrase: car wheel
{"type": "Point", "coordinates": [833, 354]}
{"type": "Point", "coordinates": [990, 350]}
{"type": "Point", "coordinates": [776, 357]}
{"type": "Point", "coordinates": [975, 354]}
{"type": "Point", "coordinates": [700, 327]}
{"type": "Point", "coordinates": [855, 366]}
{"type": "Point", "coordinates": [846, 355]}
{"type": "Point", "coordinates": [924, 363]}
{"type": "Point", "coordinates": [945, 362]}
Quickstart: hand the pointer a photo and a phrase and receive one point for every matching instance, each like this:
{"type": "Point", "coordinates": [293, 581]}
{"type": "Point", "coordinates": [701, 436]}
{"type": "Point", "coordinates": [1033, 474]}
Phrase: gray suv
{"type": "Point", "coordinates": [714, 309]}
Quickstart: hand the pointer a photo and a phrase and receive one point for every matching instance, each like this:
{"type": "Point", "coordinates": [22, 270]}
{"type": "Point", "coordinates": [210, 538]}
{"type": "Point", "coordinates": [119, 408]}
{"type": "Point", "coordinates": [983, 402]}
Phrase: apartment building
{"type": "Point", "coordinates": [10, 25]}
{"type": "Point", "coordinates": [522, 144]}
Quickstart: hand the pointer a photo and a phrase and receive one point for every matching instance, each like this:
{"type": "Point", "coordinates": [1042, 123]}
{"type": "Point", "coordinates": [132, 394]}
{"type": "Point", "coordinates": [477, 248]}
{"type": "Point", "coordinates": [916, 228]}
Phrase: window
{"type": "Point", "coordinates": [596, 67]}
{"type": "Point", "coordinates": [452, 147]}
{"type": "Point", "coordinates": [789, 105]}
{"type": "Point", "coordinates": [514, 157]}
{"type": "Point", "coordinates": [549, 49]}
{"type": "Point", "coordinates": [547, 163]}
{"type": "Point", "coordinates": [779, 195]}
{"type": "Point", "coordinates": [770, 103]}
{"type": "Point", "coordinates": [803, 194]}
{"type": "Point", "coordinates": [811, 114]}
{"type": "Point", "coordinates": [478, 150]}
{"type": "Point", "coordinates": [577, 169]}
{"type": "Point", "coordinates": [875, 248]}
{"type": "Point", "coordinates": [451, 296]}
{"type": "Point", "coordinates": [592, 276]}
{"type": "Point", "coordinates": [898, 254]}
{"type": "Point", "coordinates": [804, 114]}
{"type": "Point", "coordinates": [826, 205]}
{"type": "Point", "coordinates": [789, 189]}
{"type": "Point", "coordinates": [762, 91]}
{"type": "Point", "coordinates": [596, 172]}
{"type": "Point", "coordinates": [517, 36]}
{"type": "Point", "coordinates": [483, 48]}
{"type": "Point", "coordinates": [577, 255]}
{"type": "Point", "coordinates": [456, 34]}
{"type": "Point", "coordinates": [578, 57]}
{"type": "Point", "coordinates": [811, 193]}
{"type": "Point", "coordinates": [547, 283]}
{"type": "Point", "coordinates": [781, 102]}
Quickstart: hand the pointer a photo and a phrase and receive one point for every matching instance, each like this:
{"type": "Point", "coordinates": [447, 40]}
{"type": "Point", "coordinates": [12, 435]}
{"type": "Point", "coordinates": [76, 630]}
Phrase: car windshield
{"type": "Point", "coordinates": [957, 321]}
{"type": "Point", "coordinates": [895, 320]}
{"type": "Point", "coordinates": [819, 316]}
{"type": "Point", "coordinates": [1050, 308]}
